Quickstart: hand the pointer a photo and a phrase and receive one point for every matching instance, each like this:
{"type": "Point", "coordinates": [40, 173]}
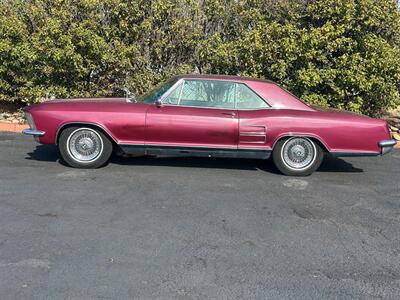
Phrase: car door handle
{"type": "Point", "coordinates": [231, 113]}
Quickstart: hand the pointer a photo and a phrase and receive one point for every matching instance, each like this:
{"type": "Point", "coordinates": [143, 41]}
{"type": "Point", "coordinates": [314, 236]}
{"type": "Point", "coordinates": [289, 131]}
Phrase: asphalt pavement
{"type": "Point", "coordinates": [194, 228]}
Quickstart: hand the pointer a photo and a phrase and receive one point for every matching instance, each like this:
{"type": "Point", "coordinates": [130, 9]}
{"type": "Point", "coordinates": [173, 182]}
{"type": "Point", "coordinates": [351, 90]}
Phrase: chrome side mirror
{"type": "Point", "coordinates": [129, 97]}
{"type": "Point", "coordinates": [158, 102]}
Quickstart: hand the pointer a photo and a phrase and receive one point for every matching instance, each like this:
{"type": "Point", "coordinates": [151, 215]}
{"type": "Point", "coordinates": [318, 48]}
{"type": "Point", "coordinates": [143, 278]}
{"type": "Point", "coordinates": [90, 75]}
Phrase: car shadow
{"type": "Point", "coordinates": [330, 164]}
{"type": "Point", "coordinates": [50, 153]}
{"type": "Point", "coordinates": [335, 164]}
{"type": "Point", "coordinates": [44, 153]}
{"type": "Point", "coordinates": [196, 162]}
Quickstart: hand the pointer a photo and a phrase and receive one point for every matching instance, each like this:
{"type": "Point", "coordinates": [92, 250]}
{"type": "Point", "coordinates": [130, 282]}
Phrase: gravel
{"type": "Point", "coordinates": [15, 117]}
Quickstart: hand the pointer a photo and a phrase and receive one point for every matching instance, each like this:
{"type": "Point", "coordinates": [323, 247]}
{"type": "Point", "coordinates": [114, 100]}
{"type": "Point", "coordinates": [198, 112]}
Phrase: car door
{"type": "Point", "coordinates": [196, 113]}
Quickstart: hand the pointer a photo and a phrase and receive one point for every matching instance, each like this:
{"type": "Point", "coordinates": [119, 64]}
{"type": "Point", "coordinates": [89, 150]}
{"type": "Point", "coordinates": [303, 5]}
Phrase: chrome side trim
{"type": "Point", "coordinates": [83, 123]}
{"type": "Point", "coordinates": [195, 151]}
{"type": "Point", "coordinates": [253, 133]}
{"type": "Point", "coordinates": [260, 148]}
{"type": "Point", "coordinates": [33, 132]}
{"type": "Point", "coordinates": [387, 146]}
{"type": "Point", "coordinates": [353, 154]}
{"type": "Point", "coordinates": [299, 134]}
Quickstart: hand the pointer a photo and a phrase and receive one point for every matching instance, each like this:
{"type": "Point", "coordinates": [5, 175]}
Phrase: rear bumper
{"type": "Point", "coordinates": [33, 132]}
{"type": "Point", "coordinates": [387, 146]}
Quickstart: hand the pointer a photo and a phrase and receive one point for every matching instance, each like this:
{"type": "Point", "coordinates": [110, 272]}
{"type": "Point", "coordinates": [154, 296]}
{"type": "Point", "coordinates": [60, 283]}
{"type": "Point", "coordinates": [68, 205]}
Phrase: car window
{"type": "Point", "coordinates": [205, 93]}
{"type": "Point", "coordinates": [157, 92]}
{"type": "Point", "coordinates": [213, 93]}
{"type": "Point", "coordinates": [173, 97]}
{"type": "Point", "coordinates": [247, 99]}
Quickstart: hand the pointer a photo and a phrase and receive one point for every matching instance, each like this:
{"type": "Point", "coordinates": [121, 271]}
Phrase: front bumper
{"type": "Point", "coordinates": [33, 132]}
{"type": "Point", "coordinates": [387, 146]}
{"type": "Point", "coordinates": [32, 128]}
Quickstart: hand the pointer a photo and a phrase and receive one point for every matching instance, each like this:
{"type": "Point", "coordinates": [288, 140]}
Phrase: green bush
{"type": "Point", "coordinates": [338, 53]}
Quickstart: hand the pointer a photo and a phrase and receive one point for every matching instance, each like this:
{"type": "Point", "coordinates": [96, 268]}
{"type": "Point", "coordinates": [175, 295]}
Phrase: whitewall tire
{"type": "Point", "coordinates": [84, 147]}
{"type": "Point", "coordinates": [297, 156]}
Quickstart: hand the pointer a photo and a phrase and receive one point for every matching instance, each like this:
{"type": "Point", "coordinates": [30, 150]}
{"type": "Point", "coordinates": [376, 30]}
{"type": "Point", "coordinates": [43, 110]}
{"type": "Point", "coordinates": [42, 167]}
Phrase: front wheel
{"type": "Point", "coordinates": [297, 156]}
{"type": "Point", "coordinates": [84, 147]}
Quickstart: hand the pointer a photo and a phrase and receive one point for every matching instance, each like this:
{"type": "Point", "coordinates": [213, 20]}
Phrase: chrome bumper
{"type": "Point", "coordinates": [33, 132]}
{"type": "Point", "coordinates": [387, 146]}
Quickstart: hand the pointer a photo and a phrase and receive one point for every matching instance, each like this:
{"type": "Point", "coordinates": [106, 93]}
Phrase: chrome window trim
{"type": "Point", "coordinates": [189, 106]}
{"type": "Point", "coordinates": [262, 98]}
{"type": "Point", "coordinates": [186, 79]}
{"type": "Point", "coordinates": [180, 93]}
{"type": "Point", "coordinates": [170, 90]}
{"type": "Point", "coordinates": [182, 80]}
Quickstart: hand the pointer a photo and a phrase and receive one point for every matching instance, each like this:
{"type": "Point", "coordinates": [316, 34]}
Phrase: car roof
{"type": "Point", "coordinates": [221, 77]}
{"type": "Point", "coordinates": [276, 96]}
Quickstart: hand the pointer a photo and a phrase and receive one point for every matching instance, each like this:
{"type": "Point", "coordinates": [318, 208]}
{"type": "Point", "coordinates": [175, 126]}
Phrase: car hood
{"type": "Point", "coordinates": [86, 100]}
{"type": "Point", "coordinates": [96, 104]}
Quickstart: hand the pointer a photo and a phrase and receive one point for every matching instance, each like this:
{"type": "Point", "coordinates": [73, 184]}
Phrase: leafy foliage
{"type": "Point", "coordinates": [339, 53]}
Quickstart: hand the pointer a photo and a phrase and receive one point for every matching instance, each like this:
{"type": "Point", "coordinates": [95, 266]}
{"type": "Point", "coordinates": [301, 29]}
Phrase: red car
{"type": "Point", "coordinates": [211, 116]}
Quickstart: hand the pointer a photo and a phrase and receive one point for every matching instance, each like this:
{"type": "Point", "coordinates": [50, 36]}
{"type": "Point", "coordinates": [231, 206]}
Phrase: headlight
{"type": "Point", "coordinates": [29, 118]}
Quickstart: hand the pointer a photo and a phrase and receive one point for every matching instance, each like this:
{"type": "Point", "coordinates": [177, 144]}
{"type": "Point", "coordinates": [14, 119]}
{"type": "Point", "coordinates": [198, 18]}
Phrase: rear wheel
{"type": "Point", "coordinates": [297, 156]}
{"type": "Point", "coordinates": [84, 147]}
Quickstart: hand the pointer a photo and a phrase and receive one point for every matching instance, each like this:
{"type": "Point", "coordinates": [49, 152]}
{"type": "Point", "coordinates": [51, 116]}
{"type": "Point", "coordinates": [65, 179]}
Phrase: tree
{"type": "Point", "coordinates": [339, 53]}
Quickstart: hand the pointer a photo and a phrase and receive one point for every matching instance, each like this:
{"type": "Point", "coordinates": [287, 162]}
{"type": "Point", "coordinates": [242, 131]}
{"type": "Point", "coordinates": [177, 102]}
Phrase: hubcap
{"type": "Point", "coordinates": [298, 153]}
{"type": "Point", "coordinates": [85, 145]}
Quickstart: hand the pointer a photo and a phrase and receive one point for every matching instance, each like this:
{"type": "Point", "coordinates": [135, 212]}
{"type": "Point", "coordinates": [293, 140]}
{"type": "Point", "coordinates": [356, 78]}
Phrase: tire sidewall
{"type": "Point", "coordinates": [67, 157]}
{"type": "Point", "coordinates": [285, 169]}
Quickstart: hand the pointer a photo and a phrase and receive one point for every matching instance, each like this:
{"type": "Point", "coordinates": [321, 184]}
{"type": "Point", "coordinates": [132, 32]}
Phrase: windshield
{"type": "Point", "coordinates": [157, 92]}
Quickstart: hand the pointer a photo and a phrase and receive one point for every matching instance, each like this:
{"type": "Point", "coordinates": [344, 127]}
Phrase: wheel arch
{"type": "Point", "coordinates": [312, 137]}
{"type": "Point", "coordinates": [85, 124]}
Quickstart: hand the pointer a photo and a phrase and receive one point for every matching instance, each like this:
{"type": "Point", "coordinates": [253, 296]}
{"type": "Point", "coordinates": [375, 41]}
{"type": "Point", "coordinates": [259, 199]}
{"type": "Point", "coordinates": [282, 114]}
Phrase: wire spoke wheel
{"type": "Point", "coordinates": [298, 153]}
{"type": "Point", "coordinates": [84, 145]}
